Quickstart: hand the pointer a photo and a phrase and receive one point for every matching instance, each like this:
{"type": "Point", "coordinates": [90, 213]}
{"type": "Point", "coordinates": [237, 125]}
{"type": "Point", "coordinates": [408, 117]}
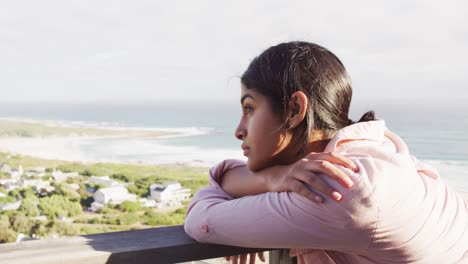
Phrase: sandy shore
{"type": "Point", "coordinates": [13, 128]}
{"type": "Point", "coordinates": [68, 142]}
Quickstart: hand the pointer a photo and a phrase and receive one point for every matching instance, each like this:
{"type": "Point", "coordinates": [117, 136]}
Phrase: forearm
{"type": "Point", "coordinates": [240, 181]}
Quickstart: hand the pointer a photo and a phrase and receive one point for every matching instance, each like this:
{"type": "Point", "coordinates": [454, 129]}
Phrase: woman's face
{"type": "Point", "coordinates": [260, 129]}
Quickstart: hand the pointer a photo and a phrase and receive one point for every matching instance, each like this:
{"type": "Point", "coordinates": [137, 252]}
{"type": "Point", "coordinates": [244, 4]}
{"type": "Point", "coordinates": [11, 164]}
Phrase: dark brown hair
{"type": "Point", "coordinates": [284, 69]}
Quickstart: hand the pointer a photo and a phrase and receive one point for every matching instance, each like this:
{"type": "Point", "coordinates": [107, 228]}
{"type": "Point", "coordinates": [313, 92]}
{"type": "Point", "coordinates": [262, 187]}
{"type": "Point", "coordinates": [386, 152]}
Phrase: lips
{"type": "Point", "coordinates": [245, 149]}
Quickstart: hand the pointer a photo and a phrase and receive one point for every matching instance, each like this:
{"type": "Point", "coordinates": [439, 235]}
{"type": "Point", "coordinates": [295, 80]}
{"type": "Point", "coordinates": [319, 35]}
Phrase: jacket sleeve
{"type": "Point", "coordinates": [275, 220]}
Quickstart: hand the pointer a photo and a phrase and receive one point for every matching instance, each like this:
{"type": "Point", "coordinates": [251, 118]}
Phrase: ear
{"type": "Point", "coordinates": [298, 109]}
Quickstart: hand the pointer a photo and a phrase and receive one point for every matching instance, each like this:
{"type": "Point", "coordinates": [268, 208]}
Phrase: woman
{"type": "Point", "coordinates": [295, 99]}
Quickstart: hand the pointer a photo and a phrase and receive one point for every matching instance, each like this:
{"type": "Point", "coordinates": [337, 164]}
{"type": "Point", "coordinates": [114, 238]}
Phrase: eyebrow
{"type": "Point", "coordinates": [245, 97]}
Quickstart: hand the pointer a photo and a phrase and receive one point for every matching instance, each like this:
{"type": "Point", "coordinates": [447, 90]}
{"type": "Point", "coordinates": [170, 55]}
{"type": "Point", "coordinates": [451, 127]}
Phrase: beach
{"type": "Point", "coordinates": [203, 134]}
{"type": "Point", "coordinates": [92, 143]}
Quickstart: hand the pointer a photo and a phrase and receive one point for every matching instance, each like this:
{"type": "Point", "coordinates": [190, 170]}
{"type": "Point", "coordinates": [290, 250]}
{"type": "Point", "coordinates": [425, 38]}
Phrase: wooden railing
{"type": "Point", "coordinates": [156, 245]}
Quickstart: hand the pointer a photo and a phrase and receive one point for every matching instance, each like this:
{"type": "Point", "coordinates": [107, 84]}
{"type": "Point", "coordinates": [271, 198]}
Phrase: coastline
{"type": "Point", "coordinates": [91, 143]}
{"type": "Point", "coordinates": [25, 128]}
{"type": "Point", "coordinates": [75, 142]}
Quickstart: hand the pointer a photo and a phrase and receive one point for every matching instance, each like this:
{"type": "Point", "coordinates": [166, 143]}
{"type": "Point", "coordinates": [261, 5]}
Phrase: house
{"type": "Point", "coordinates": [14, 173]}
{"type": "Point", "coordinates": [105, 180]}
{"type": "Point", "coordinates": [7, 181]}
{"type": "Point", "coordinates": [11, 206]}
{"type": "Point", "coordinates": [113, 195]}
{"type": "Point", "coordinates": [169, 194]}
{"type": "Point", "coordinates": [5, 168]}
{"type": "Point", "coordinates": [2, 195]}
{"type": "Point", "coordinates": [73, 186]}
{"type": "Point", "coordinates": [9, 184]}
{"type": "Point", "coordinates": [148, 202]}
{"type": "Point", "coordinates": [38, 183]}
{"type": "Point", "coordinates": [61, 176]}
{"type": "Point", "coordinates": [36, 171]}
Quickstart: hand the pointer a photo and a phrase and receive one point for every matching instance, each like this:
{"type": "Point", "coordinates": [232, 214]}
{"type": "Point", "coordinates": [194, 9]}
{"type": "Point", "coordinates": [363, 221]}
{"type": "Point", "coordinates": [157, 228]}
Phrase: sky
{"type": "Point", "coordinates": [147, 50]}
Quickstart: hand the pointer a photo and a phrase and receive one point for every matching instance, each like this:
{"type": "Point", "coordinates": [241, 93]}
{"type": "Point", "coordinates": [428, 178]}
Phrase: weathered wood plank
{"type": "Point", "coordinates": [155, 245]}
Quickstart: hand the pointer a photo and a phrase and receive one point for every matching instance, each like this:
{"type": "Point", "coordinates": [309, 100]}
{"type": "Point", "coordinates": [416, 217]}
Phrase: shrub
{"type": "Point", "coordinates": [39, 229]}
{"type": "Point", "coordinates": [29, 207]}
{"type": "Point", "coordinates": [21, 224]}
{"type": "Point", "coordinates": [157, 219]}
{"type": "Point", "coordinates": [120, 177]}
{"type": "Point", "coordinates": [130, 207]}
{"type": "Point", "coordinates": [129, 219]}
{"type": "Point", "coordinates": [57, 205]}
{"type": "Point", "coordinates": [63, 228]}
{"type": "Point", "coordinates": [7, 235]}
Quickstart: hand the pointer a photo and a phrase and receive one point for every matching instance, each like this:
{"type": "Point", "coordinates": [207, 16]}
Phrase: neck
{"type": "Point", "coordinates": [293, 153]}
{"type": "Point", "coordinates": [317, 145]}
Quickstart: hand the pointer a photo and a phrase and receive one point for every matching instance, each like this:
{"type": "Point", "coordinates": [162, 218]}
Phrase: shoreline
{"type": "Point", "coordinates": [26, 128]}
{"type": "Point", "coordinates": [91, 143]}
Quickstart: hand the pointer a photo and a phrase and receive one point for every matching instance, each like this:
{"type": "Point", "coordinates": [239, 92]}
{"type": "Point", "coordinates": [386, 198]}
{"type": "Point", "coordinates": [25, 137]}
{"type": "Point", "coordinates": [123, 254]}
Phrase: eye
{"type": "Point", "coordinates": [247, 109]}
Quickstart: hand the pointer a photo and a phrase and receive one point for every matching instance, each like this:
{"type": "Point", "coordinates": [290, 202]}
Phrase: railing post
{"type": "Point", "coordinates": [280, 256]}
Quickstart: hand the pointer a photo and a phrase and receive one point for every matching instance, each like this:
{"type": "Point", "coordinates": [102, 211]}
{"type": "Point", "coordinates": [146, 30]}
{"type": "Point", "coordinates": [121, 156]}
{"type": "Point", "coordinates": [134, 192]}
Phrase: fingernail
{"type": "Point", "coordinates": [348, 183]}
{"type": "Point", "coordinates": [318, 198]}
{"type": "Point", "coordinates": [336, 195]}
{"type": "Point", "coordinates": [355, 168]}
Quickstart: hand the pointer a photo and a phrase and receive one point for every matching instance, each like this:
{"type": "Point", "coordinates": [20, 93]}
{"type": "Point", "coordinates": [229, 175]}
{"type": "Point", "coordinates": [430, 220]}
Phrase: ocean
{"type": "Point", "coordinates": [434, 132]}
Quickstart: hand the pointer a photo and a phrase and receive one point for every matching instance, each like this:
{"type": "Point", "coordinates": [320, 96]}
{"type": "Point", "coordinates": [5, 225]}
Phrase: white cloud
{"type": "Point", "coordinates": [147, 50]}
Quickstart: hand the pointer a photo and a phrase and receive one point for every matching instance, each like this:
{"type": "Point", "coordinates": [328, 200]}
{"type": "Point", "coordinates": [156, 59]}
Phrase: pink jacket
{"type": "Point", "coordinates": [398, 211]}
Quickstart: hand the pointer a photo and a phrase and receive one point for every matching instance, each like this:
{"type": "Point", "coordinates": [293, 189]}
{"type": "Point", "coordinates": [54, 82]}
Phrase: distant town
{"type": "Point", "coordinates": [40, 202]}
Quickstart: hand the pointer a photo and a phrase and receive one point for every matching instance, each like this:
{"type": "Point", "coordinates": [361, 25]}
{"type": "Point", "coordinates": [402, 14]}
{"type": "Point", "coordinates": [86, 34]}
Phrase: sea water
{"type": "Point", "coordinates": [434, 132]}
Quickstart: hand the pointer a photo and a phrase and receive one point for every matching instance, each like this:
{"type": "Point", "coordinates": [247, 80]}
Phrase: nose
{"type": "Point", "coordinates": [240, 132]}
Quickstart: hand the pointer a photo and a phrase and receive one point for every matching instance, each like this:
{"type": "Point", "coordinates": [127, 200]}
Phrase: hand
{"type": "Point", "coordinates": [242, 259]}
{"type": "Point", "coordinates": [295, 177]}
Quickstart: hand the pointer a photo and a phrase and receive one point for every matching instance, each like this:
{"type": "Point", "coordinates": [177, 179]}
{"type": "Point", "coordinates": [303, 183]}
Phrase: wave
{"type": "Point", "coordinates": [454, 172]}
{"type": "Point", "coordinates": [128, 150]}
{"type": "Point", "coordinates": [178, 131]}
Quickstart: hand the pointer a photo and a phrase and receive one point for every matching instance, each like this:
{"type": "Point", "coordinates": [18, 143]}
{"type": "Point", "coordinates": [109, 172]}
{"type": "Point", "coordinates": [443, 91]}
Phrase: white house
{"type": "Point", "coordinates": [105, 180]}
{"type": "Point", "coordinates": [61, 177]}
{"type": "Point", "coordinates": [73, 186]}
{"type": "Point", "coordinates": [38, 183]}
{"type": "Point", "coordinates": [5, 168]}
{"type": "Point", "coordinates": [9, 184]}
{"type": "Point", "coordinates": [169, 194]}
{"type": "Point", "coordinates": [148, 202]}
{"type": "Point", "coordinates": [113, 195]}
{"type": "Point", "coordinates": [37, 170]}
{"type": "Point", "coordinates": [11, 206]}
{"type": "Point", "coordinates": [14, 173]}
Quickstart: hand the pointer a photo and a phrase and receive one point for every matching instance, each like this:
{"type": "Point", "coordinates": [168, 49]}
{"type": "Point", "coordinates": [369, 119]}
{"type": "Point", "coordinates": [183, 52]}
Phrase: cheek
{"type": "Point", "coordinates": [265, 147]}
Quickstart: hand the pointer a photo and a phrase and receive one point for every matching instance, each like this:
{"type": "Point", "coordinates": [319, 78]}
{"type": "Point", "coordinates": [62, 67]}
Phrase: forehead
{"type": "Point", "coordinates": [250, 93]}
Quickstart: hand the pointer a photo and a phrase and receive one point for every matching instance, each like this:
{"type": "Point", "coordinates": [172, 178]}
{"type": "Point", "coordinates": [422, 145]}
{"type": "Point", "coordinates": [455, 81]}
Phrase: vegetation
{"type": "Point", "coordinates": [69, 203]}
{"type": "Point", "coordinates": [130, 207]}
{"type": "Point", "coordinates": [57, 205]}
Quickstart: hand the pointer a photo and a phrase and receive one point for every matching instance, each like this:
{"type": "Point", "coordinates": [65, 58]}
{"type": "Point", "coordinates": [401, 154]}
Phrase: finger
{"type": "Point", "coordinates": [320, 185]}
{"type": "Point", "coordinates": [235, 260]}
{"type": "Point", "coordinates": [228, 258]}
{"type": "Point", "coordinates": [261, 255]}
{"type": "Point", "coordinates": [336, 158]}
{"type": "Point", "coordinates": [329, 169]}
{"type": "Point", "coordinates": [243, 259]}
{"type": "Point", "coordinates": [252, 258]}
{"type": "Point", "coordinates": [300, 188]}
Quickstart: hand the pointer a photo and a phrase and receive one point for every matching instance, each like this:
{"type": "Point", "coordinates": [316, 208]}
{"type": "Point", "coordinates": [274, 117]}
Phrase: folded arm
{"type": "Point", "coordinates": [239, 181]}
{"type": "Point", "coordinates": [270, 220]}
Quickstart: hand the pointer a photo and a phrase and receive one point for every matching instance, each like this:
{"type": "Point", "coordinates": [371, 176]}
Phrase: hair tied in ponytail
{"type": "Point", "coordinates": [368, 116]}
